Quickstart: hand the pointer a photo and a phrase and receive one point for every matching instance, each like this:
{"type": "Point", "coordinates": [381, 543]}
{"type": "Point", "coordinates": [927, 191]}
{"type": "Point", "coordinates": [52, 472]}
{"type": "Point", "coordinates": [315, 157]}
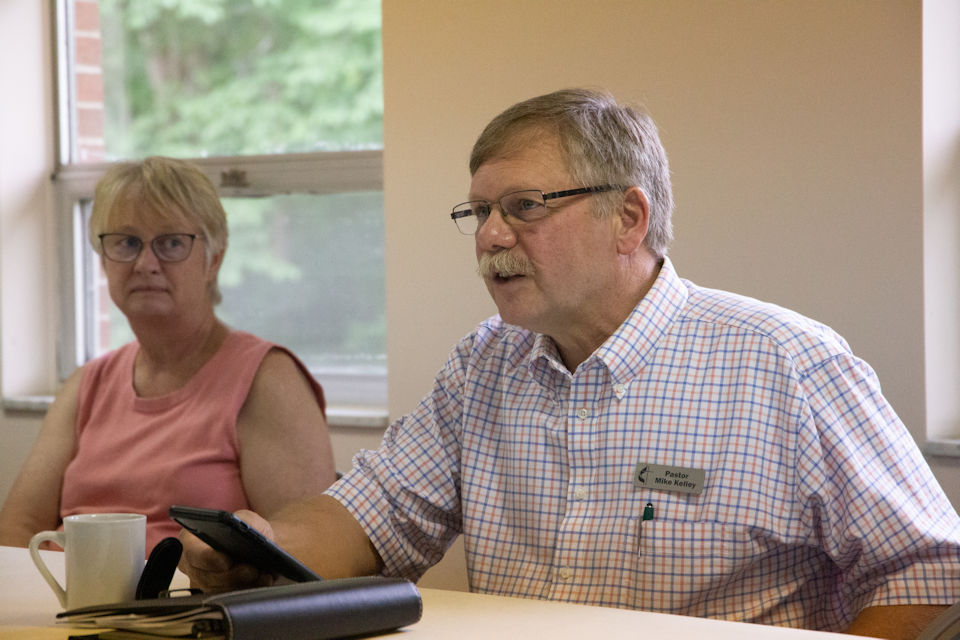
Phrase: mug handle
{"type": "Point", "coordinates": [58, 537]}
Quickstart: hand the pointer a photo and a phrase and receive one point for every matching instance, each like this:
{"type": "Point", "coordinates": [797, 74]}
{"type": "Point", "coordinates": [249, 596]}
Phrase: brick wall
{"type": "Point", "coordinates": [87, 121]}
{"type": "Point", "coordinates": [88, 82]}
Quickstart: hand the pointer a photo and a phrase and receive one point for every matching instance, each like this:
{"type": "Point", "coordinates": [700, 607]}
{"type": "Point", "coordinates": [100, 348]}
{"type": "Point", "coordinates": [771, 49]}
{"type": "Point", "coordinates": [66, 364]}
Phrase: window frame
{"type": "Point", "coordinates": [264, 175]}
{"type": "Point", "coordinates": [248, 176]}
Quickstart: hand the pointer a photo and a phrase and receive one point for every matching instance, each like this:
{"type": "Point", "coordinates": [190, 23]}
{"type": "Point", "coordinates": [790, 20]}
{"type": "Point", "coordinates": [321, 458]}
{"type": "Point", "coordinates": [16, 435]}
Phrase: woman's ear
{"type": "Point", "coordinates": [215, 262]}
{"type": "Point", "coordinates": [634, 220]}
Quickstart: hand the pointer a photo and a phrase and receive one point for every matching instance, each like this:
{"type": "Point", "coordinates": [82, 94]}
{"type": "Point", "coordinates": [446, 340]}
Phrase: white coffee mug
{"type": "Point", "coordinates": [104, 557]}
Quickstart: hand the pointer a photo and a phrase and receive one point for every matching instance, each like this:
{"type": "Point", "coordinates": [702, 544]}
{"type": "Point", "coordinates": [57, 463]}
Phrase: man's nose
{"type": "Point", "coordinates": [495, 233]}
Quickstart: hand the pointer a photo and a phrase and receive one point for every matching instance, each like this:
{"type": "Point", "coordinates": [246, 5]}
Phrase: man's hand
{"type": "Point", "coordinates": [214, 572]}
{"type": "Point", "coordinates": [320, 532]}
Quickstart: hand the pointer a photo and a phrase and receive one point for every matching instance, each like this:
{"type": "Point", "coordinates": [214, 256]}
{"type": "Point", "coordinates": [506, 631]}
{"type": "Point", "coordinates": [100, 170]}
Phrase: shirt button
{"type": "Point", "coordinates": [619, 389]}
{"type": "Point", "coordinates": [583, 413]}
{"type": "Point", "coordinates": [580, 493]}
{"type": "Point", "coordinates": [565, 573]}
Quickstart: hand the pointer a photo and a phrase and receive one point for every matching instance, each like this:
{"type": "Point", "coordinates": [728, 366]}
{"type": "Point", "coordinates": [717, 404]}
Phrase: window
{"type": "Point", "coordinates": [281, 104]}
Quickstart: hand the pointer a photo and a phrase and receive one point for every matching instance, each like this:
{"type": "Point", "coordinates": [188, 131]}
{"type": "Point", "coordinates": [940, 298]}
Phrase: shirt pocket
{"type": "Point", "coordinates": [683, 567]}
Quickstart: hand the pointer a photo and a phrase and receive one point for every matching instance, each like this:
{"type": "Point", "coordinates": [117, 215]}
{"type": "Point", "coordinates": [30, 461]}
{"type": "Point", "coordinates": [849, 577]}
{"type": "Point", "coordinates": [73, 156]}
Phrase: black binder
{"type": "Point", "coordinates": [301, 611]}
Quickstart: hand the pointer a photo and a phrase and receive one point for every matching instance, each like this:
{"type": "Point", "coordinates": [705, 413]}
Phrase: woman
{"type": "Point", "coordinates": [192, 412]}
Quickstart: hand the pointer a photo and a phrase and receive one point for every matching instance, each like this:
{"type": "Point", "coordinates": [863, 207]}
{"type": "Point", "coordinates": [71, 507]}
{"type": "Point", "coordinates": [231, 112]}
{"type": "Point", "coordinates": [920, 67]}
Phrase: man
{"type": "Point", "coordinates": [618, 436]}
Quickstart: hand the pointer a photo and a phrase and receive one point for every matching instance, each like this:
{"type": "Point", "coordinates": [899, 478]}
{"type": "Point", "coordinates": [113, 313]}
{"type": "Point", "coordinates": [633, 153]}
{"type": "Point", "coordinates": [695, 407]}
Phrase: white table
{"type": "Point", "coordinates": [28, 607]}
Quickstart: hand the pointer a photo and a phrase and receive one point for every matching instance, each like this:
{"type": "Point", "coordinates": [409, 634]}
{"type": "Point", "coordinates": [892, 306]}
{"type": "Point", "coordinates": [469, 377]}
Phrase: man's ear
{"type": "Point", "coordinates": [634, 220]}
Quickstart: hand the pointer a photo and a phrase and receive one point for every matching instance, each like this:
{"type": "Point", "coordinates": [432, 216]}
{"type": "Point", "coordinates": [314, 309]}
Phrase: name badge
{"type": "Point", "coordinates": [667, 478]}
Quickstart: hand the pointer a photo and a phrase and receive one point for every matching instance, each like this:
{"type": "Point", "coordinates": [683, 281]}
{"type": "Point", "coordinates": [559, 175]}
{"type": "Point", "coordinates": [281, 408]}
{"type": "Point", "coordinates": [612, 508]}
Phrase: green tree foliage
{"type": "Point", "coordinates": [230, 77]}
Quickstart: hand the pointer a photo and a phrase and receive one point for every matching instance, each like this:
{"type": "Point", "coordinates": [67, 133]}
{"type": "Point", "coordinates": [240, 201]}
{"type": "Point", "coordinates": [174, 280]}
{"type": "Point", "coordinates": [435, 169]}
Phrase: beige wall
{"type": "Point", "coordinates": [795, 131]}
{"type": "Point", "coordinates": [793, 128]}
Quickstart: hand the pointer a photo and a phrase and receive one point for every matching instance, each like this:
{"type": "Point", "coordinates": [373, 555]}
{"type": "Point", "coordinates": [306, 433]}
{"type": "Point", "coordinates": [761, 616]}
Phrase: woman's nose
{"type": "Point", "coordinates": [147, 260]}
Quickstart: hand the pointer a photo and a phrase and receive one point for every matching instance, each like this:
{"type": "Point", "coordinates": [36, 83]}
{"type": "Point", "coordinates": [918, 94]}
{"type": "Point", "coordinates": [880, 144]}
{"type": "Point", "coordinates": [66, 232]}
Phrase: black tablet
{"type": "Point", "coordinates": [229, 534]}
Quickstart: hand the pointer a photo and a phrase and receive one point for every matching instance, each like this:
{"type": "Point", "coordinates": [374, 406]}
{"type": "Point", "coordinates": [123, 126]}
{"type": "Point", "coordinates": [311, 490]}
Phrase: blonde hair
{"type": "Point", "coordinates": [169, 189]}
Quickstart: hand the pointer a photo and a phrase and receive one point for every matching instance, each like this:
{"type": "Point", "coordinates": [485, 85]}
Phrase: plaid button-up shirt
{"type": "Point", "coordinates": [816, 501]}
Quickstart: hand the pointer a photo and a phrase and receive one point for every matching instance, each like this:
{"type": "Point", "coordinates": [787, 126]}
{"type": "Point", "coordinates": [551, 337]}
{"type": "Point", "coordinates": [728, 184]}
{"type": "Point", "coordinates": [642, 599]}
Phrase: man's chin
{"type": "Point", "coordinates": [515, 314]}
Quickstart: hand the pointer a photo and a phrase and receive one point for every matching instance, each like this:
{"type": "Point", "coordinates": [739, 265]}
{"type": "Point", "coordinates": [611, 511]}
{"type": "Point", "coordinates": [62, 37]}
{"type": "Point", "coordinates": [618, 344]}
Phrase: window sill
{"type": "Point", "coordinates": [348, 417]}
{"type": "Point", "coordinates": [28, 404]}
{"type": "Point", "coordinates": [944, 447]}
{"type": "Point", "coordinates": [358, 417]}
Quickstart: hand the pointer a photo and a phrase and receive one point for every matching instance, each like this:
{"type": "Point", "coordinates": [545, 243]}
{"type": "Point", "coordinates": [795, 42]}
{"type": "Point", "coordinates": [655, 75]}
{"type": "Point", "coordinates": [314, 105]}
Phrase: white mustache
{"type": "Point", "coordinates": [503, 264]}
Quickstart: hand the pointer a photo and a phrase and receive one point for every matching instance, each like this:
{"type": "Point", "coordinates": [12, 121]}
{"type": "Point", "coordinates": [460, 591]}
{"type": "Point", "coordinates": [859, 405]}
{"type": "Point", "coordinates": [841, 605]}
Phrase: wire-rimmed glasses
{"type": "Point", "coordinates": [527, 205]}
{"type": "Point", "coordinates": [169, 247]}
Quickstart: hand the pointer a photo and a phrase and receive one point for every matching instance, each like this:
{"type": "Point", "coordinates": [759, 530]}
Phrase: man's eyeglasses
{"type": "Point", "coordinates": [169, 247]}
{"type": "Point", "coordinates": [527, 205]}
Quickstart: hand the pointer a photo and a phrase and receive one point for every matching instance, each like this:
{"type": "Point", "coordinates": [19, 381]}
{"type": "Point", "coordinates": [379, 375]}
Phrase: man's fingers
{"type": "Point", "coordinates": [213, 571]}
{"type": "Point", "coordinates": [238, 577]}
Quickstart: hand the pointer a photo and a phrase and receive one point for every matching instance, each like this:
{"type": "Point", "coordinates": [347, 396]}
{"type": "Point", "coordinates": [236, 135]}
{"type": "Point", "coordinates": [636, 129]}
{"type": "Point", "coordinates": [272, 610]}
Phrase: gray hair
{"type": "Point", "coordinates": [171, 190]}
{"type": "Point", "coordinates": [603, 142]}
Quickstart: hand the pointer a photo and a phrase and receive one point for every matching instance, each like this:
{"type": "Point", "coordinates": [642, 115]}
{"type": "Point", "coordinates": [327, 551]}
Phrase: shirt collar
{"type": "Point", "coordinates": [631, 347]}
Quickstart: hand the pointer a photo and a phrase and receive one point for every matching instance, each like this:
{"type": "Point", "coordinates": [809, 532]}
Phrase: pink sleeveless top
{"type": "Point", "coordinates": [142, 455]}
